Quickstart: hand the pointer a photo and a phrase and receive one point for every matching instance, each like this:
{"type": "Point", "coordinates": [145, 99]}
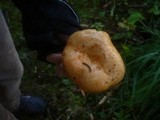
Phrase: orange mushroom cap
{"type": "Point", "coordinates": [92, 62]}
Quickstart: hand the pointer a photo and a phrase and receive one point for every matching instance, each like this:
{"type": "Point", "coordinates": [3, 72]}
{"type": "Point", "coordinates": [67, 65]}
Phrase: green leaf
{"type": "Point", "coordinates": [125, 48]}
{"type": "Point", "coordinates": [134, 18]}
{"type": "Point", "coordinates": [155, 10]}
{"type": "Point", "coordinates": [117, 36]}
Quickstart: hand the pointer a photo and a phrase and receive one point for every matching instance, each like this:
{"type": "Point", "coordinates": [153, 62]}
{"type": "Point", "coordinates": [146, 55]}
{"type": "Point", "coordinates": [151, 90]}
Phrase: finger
{"type": "Point", "coordinates": [55, 58]}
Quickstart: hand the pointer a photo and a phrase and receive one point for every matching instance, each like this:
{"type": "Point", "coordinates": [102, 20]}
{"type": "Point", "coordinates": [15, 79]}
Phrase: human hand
{"type": "Point", "coordinates": [56, 58]}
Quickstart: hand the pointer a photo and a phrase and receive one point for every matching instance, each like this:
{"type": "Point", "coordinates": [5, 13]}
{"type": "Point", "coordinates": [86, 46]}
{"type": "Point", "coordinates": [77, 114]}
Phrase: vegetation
{"type": "Point", "coordinates": [134, 28]}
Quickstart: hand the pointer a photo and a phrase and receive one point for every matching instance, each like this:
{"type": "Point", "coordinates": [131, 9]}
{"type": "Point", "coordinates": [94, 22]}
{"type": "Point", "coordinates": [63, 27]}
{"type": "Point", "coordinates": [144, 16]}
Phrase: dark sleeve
{"type": "Point", "coordinates": [43, 20]}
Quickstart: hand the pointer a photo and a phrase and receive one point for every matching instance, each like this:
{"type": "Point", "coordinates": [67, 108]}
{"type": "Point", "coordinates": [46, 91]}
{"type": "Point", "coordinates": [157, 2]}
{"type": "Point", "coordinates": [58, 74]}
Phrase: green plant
{"type": "Point", "coordinates": [138, 96]}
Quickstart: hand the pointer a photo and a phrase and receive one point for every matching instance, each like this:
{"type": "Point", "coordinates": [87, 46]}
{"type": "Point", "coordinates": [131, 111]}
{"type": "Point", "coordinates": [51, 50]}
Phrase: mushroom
{"type": "Point", "coordinates": [92, 61]}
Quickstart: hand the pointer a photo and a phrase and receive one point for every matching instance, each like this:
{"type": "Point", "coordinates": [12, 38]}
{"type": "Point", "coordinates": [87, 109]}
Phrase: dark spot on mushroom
{"type": "Point", "coordinates": [114, 66]}
{"type": "Point", "coordinates": [104, 55]}
{"type": "Point", "coordinates": [74, 78]}
{"type": "Point", "coordinates": [106, 82]}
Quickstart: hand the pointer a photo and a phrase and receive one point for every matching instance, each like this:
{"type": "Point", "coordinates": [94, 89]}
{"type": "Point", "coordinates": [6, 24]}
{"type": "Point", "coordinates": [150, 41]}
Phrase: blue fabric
{"type": "Point", "coordinates": [32, 104]}
{"type": "Point", "coordinates": [43, 20]}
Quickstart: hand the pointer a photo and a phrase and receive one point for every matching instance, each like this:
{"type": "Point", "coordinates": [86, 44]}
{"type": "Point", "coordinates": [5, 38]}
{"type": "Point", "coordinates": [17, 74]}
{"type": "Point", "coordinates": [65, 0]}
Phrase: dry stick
{"type": "Point", "coordinates": [99, 103]}
{"type": "Point", "coordinates": [102, 100]}
{"type": "Point", "coordinates": [88, 108]}
{"type": "Point", "coordinates": [91, 116]}
{"type": "Point", "coordinates": [89, 68]}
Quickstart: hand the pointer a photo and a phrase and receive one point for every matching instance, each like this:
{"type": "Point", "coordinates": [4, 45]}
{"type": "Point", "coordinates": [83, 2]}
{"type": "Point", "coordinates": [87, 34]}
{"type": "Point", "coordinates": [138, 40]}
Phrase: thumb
{"type": "Point", "coordinates": [55, 58]}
